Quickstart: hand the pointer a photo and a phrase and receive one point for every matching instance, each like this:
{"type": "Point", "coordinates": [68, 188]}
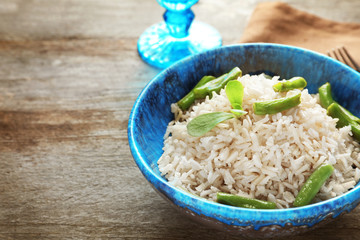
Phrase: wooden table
{"type": "Point", "coordinates": [69, 75]}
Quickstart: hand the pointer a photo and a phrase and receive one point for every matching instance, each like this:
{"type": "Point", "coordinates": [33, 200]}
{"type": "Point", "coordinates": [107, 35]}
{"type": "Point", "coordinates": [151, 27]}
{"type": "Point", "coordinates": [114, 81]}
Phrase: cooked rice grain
{"type": "Point", "coordinates": [266, 157]}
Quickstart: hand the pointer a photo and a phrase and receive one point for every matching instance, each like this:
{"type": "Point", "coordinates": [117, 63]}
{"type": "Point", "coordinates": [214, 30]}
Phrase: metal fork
{"type": "Point", "coordinates": [342, 55]}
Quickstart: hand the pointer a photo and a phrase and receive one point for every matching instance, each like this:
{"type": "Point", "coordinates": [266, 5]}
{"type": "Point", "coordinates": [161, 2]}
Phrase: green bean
{"type": "Point", "coordinates": [293, 83]}
{"type": "Point", "coordinates": [276, 105]}
{"type": "Point", "coordinates": [217, 84]}
{"type": "Point", "coordinates": [325, 95]}
{"type": "Point", "coordinates": [335, 110]}
{"type": "Point", "coordinates": [238, 201]}
{"type": "Point", "coordinates": [355, 129]}
{"type": "Point", "coordinates": [326, 100]}
{"type": "Point", "coordinates": [189, 98]}
{"type": "Point", "coordinates": [312, 185]}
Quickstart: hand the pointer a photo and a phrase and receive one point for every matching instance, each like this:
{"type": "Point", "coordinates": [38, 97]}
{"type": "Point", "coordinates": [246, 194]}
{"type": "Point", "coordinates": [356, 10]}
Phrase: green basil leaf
{"type": "Point", "coordinates": [235, 93]}
{"type": "Point", "coordinates": [205, 122]}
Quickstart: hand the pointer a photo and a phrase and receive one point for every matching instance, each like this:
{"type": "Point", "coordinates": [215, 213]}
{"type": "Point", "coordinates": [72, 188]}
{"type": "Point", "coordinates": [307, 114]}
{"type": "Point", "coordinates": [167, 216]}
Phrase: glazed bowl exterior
{"type": "Point", "coordinates": [151, 115]}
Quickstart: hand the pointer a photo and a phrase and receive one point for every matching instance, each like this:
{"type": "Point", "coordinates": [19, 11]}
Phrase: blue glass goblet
{"type": "Point", "coordinates": [177, 37]}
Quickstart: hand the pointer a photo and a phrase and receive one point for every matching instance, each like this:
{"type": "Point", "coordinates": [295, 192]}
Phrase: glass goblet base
{"type": "Point", "coordinates": [158, 48]}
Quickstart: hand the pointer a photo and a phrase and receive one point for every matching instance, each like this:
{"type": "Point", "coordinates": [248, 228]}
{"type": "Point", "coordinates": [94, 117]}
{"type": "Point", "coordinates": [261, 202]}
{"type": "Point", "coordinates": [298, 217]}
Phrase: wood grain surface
{"type": "Point", "coordinates": [69, 75]}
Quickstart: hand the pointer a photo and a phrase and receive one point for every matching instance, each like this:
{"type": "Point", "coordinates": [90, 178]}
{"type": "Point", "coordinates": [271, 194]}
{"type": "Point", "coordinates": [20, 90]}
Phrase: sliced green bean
{"type": "Point", "coordinates": [276, 105]}
{"type": "Point", "coordinates": [355, 129]}
{"type": "Point", "coordinates": [325, 95]}
{"type": "Point", "coordinates": [217, 84]}
{"type": "Point", "coordinates": [312, 185]}
{"type": "Point", "coordinates": [326, 100]}
{"type": "Point", "coordinates": [335, 110]}
{"type": "Point", "coordinates": [293, 83]}
{"type": "Point", "coordinates": [189, 98]}
{"type": "Point", "coordinates": [238, 201]}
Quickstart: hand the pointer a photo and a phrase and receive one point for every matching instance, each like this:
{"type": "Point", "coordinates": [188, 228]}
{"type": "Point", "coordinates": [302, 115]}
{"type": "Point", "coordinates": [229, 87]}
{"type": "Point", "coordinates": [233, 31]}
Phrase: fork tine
{"type": "Point", "coordinates": [351, 59]}
{"type": "Point", "coordinates": [344, 59]}
{"type": "Point", "coordinates": [337, 56]}
{"type": "Point", "coordinates": [332, 53]}
{"type": "Point", "coordinates": [342, 55]}
{"type": "Point", "coordinates": [328, 53]}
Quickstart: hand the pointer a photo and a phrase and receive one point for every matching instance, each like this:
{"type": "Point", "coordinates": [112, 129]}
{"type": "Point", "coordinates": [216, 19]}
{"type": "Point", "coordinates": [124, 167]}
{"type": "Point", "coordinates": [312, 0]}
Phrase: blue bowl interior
{"type": "Point", "coordinates": [151, 115]}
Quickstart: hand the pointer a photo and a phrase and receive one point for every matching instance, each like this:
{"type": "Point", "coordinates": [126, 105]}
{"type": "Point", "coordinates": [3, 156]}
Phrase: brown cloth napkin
{"type": "Point", "coordinates": [277, 22]}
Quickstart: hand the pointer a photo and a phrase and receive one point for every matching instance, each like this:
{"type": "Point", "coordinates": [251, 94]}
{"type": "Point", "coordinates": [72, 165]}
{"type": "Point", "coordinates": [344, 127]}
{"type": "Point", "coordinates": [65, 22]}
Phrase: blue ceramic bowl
{"type": "Point", "coordinates": [151, 115]}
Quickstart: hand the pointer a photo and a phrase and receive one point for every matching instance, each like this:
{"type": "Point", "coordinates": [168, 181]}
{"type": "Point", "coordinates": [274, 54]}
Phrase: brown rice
{"type": "Point", "coordinates": [265, 157]}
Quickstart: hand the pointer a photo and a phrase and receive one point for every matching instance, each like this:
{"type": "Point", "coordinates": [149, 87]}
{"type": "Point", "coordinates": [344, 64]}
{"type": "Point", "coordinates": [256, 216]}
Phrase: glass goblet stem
{"type": "Point", "coordinates": [179, 22]}
{"type": "Point", "coordinates": [176, 37]}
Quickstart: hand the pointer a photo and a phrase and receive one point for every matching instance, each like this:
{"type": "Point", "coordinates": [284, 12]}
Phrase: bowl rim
{"type": "Point", "coordinates": [229, 214]}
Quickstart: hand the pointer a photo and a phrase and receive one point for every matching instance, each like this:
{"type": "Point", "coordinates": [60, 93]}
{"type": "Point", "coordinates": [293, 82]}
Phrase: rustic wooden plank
{"type": "Point", "coordinates": [69, 74]}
